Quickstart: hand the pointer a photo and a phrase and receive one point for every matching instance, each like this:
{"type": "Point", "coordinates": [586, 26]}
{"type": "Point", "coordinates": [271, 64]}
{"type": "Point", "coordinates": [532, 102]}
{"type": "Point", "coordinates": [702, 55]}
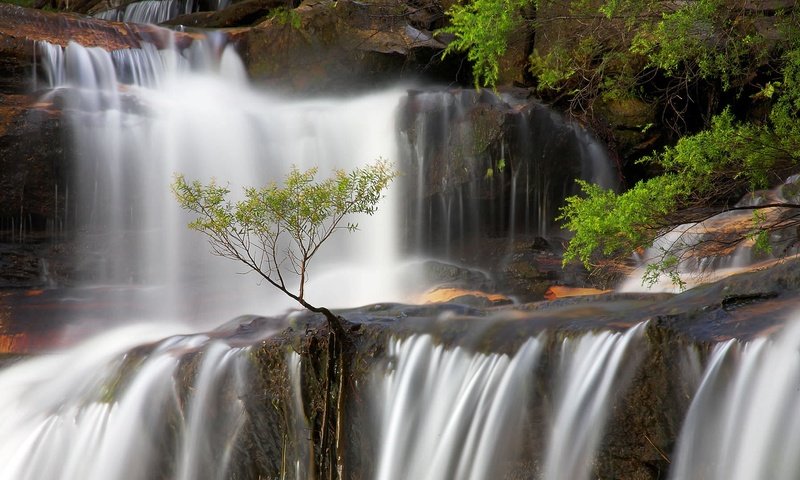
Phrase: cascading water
{"type": "Point", "coordinates": [744, 421]}
{"type": "Point", "coordinates": [138, 117]}
{"type": "Point", "coordinates": [191, 112]}
{"type": "Point", "coordinates": [455, 414]}
{"type": "Point", "coordinates": [703, 251]}
{"type": "Point", "coordinates": [173, 411]}
{"type": "Point", "coordinates": [451, 414]}
{"type": "Point", "coordinates": [592, 370]}
{"type": "Point", "coordinates": [485, 165]}
{"type": "Point", "coordinates": [155, 11]}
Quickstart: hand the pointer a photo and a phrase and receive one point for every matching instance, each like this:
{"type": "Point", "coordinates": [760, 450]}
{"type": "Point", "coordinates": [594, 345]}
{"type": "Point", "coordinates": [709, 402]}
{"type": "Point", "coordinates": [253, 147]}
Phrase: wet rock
{"type": "Point", "coordinates": [21, 27]}
{"type": "Point", "coordinates": [245, 13]}
{"type": "Point", "coordinates": [630, 121]}
{"type": "Point", "coordinates": [31, 158]}
{"type": "Point", "coordinates": [475, 298]}
{"type": "Point", "coordinates": [340, 45]}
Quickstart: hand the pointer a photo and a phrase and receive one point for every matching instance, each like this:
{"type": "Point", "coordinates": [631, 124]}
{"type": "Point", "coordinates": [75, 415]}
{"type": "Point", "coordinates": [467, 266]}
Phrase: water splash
{"type": "Point", "coordinates": [744, 420]}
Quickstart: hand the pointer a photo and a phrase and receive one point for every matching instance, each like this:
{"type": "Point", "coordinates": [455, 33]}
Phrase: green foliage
{"type": "Point", "coordinates": [668, 265]}
{"type": "Point", "coordinates": [20, 3]}
{"type": "Point", "coordinates": [726, 160]}
{"type": "Point", "coordinates": [700, 39]}
{"type": "Point", "coordinates": [286, 16]}
{"type": "Point", "coordinates": [276, 230]}
{"type": "Point", "coordinates": [610, 224]}
{"type": "Point", "coordinates": [554, 68]}
{"type": "Point", "coordinates": [481, 28]}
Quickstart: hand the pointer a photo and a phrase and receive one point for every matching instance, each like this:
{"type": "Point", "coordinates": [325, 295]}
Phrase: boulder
{"type": "Point", "coordinates": [340, 45]}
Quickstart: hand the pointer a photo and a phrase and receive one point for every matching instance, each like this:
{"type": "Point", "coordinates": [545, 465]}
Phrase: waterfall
{"type": "Point", "coordinates": [704, 251]}
{"type": "Point", "coordinates": [590, 373]}
{"type": "Point", "coordinates": [155, 11]}
{"type": "Point", "coordinates": [132, 407]}
{"type": "Point", "coordinates": [744, 421]}
{"type": "Point", "coordinates": [172, 409]}
{"type": "Point", "coordinates": [450, 413]}
{"type": "Point", "coordinates": [489, 165]}
{"type": "Point", "coordinates": [140, 116]}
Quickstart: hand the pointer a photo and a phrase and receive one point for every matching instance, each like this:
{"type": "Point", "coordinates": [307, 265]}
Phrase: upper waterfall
{"type": "Point", "coordinates": [138, 117]}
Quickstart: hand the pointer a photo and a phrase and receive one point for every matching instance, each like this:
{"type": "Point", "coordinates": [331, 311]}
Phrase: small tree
{"type": "Point", "coordinates": [277, 230]}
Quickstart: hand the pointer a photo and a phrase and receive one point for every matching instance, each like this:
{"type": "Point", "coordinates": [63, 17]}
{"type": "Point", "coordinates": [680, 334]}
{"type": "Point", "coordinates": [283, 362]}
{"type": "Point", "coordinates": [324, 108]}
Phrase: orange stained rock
{"type": "Point", "coordinates": [439, 295]}
{"type": "Point", "coordinates": [14, 343]}
{"type": "Point", "coordinates": [560, 291]}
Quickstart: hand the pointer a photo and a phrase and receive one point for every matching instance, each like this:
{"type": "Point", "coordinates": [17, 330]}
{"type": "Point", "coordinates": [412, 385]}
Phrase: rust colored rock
{"type": "Point", "coordinates": [458, 295]}
{"type": "Point", "coordinates": [21, 28]}
{"type": "Point", "coordinates": [558, 291]}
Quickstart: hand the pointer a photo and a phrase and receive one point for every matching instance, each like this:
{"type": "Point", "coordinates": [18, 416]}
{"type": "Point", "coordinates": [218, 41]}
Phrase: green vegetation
{"type": "Point", "coordinates": [723, 76]}
{"type": "Point", "coordinates": [286, 16]}
{"type": "Point", "coordinates": [277, 230]}
{"type": "Point", "coordinates": [481, 28]}
{"type": "Point", "coordinates": [701, 174]}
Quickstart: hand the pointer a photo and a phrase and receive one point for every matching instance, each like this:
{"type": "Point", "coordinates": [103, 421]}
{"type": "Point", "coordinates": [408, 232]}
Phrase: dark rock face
{"type": "Point", "coordinates": [238, 14]}
{"type": "Point", "coordinates": [339, 45]}
{"type": "Point", "coordinates": [31, 157]}
{"type": "Point", "coordinates": [481, 167]}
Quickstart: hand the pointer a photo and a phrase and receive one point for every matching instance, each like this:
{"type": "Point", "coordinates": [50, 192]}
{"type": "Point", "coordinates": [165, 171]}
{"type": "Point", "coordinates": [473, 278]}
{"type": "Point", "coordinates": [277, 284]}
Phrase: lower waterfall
{"type": "Point", "coordinates": [105, 410]}
{"type": "Point", "coordinates": [744, 422]}
{"type": "Point", "coordinates": [448, 413]}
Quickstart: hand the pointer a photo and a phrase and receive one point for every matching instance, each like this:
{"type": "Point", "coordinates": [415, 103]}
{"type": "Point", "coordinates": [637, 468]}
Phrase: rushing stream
{"type": "Point", "coordinates": [156, 399]}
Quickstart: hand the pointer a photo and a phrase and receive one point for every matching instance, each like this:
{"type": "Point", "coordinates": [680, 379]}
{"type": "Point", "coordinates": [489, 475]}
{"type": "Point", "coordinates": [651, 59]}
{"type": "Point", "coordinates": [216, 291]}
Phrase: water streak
{"type": "Point", "coordinates": [590, 375]}
{"type": "Point", "coordinates": [451, 414]}
{"type": "Point", "coordinates": [744, 421]}
{"type": "Point", "coordinates": [448, 413]}
{"type": "Point", "coordinates": [119, 414]}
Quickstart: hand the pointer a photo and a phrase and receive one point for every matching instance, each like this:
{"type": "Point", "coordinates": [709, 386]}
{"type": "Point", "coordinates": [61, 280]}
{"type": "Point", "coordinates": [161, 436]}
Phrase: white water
{"type": "Point", "coordinates": [95, 412]}
{"type": "Point", "coordinates": [455, 414]}
{"type": "Point", "coordinates": [194, 113]}
{"type": "Point", "coordinates": [451, 414]}
{"type": "Point", "coordinates": [154, 11]}
{"type": "Point", "coordinates": [744, 421]}
{"type": "Point", "coordinates": [590, 374]}
{"type": "Point", "coordinates": [703, 251]}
